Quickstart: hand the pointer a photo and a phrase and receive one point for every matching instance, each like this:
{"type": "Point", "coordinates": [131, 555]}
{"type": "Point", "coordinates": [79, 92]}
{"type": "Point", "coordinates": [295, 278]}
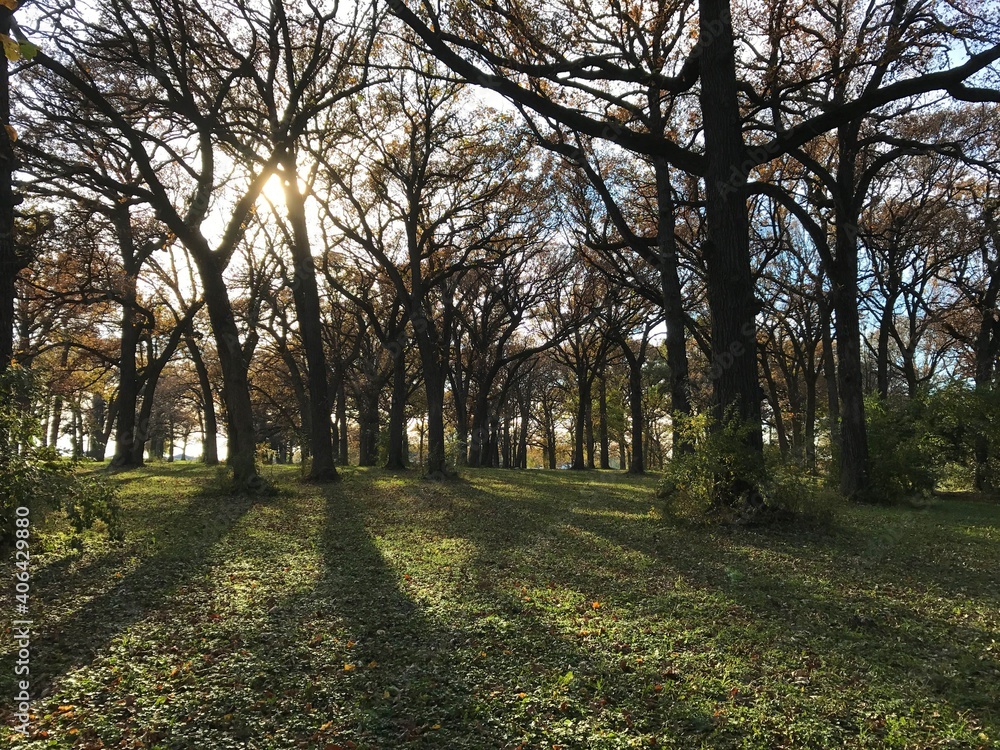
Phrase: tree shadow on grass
{"type": "Point", "coordinates": [186, 534]}
{"type": "Point", "coordinates": [350, 658]}
{"type": "Point", "coordinates": [542, 678]}
{"type": "Point", "coordinates": [773, 591]}
{"type": "Point", "coordinates": [413, 695]}
{"type": "Point", "coordinates": [837, 599]}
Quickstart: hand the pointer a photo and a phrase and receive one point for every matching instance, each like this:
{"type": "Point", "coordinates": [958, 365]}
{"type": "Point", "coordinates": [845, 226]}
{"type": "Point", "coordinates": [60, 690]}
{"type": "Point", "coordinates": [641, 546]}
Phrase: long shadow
{"type": "Point", "coordinates": [505, 529]}
{"type": "Point", "coordinates": [901, 647]}
{"type": "Point", "coordinates": [188, 533]}
{"type": "Point", "coordinates": [414, 687]}
{"type": "Point", "coordinates": [916, 547]}
{"type": "Point", "coordinates": [351, 659]}
{"type": "Point", "coordinates": [927, 655]}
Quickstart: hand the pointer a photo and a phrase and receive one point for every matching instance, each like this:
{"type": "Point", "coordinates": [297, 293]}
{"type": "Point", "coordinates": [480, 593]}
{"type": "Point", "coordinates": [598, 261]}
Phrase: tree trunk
{"type": "Point", "coordinates": [844, 278]}
{"type": "Point", "coordinates": [494, 445]}
{"type": "Point", "coordinates": [368, 428]}
{"type": "Point", "coordinates": [46, 409]}
{"type": "Point", "coordinates": [342, 421]}
{"type": "Point", "coordinates": [589, 429]}
{"type": "Point", "coordinates": [10, 261]}
{"type": "Point", "coordinates": [210, 429]}
{"type": "Point", "coordinates": [638, 462]}
{"type": "Point", "coordinates": [673, 304]}
{"type": "Point", "coordinates": [307, 311]}
{"type": "Point", "coordinates": [882, 353]}
{"type": "Point", "coordinates": [579, 428]}
{"type": "Point", "coordinates": [77, 416]}
{"type": "Point", "coordinates": [480, 439]}
{"type": "Point", "coordinates": [505, 457]}
{"type": "Point", "coordinates": [830, 376]}
{"type": "Point", "coordinates": [240, 433]}
{"type": "Point", "coordinates": [602, 405]}
{"type": "Point", "coordinates": [126, 434]}
{"type": "Point", "coordinates": [397, 415]}
{"type": "Point", "coordinates": [103, 427]}
{"type": "Point", "coordinates": [773, 397]}
{"type": "Point", "coordinates": [727, 252]}
{"type": "Point", "coordinates": [459, 394]}
{"type": "Point", "coordinates": [810, 419]}
{"type": "Point", "coordinates": [56, 425]}
{"type": "Point", "coordinates": [987, 348]}
{"type": "Point", "coordinates": [522, 435]}
{"type": "Point", "coordinates": [795, 403]}
{"type": "Point", "coordinates": [434, 383]}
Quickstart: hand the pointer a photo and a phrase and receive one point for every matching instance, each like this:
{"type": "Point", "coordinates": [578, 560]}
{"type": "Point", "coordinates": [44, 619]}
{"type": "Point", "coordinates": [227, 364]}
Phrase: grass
{"type": "Point", "coordinates": [507, 610]}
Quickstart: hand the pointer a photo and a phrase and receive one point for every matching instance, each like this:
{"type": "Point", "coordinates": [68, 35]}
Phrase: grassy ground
{"type": "Point", "coordinates": [508, 610]}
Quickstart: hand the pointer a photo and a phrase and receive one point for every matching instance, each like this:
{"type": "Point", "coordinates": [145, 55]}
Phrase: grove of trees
{"type": "Point", "coordinates": [505, 234]}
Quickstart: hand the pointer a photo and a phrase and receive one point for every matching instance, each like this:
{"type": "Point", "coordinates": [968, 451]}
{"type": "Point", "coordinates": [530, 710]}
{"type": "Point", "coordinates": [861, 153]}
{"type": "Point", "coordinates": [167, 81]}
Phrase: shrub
{"type": "Point", "coordinates": [906, 456]}
{"type": "Point", "coordinates": [916, 444]}
{"type": "Point", "coordinates": [34, 475]}
{"type": "Point", "coordinates": [723, 480]}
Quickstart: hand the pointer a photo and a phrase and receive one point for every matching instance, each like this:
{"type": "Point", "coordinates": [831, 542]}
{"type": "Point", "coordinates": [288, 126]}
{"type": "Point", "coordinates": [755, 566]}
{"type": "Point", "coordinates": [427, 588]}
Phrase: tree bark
{"type": "Point", "coordinates": [522, 436]}
{"type": "Point", "coordinates": [127, 434]}
{"type": "Point", "coordinates": [638, 463]}
{"type": "Point", "coordinates": [210, 449]}
{"type": "Point", "coordinates": [307, 311]}
{"type": "Point", "coordinates": [396, 458]}
{"type": "Point", "coordinates": [11, 262]}
{"type": "Point", "coordinates": [844, 275]}
{"type": "Point", "coordinates": [673, 305]}
{"type": "Point", "coordinates": [589, 429]}
{"type": "Point", "coordinates": [240, 434]}
{"type": "Point", "coordinates": [480, 440]}
{"type": "Point", "coordinates": [579, 428]}
{"type": "Point", "coordinates": [882, 353]}
{"type": "Point", "coordinates": [342, 421]}
{"type": "Point", "coordinates": [774, 398]}
{"type": "Point", "coordinates": [830, 376]}
{"type": "Point", "coordinates": [368, 427]}
{"type": "Point", "coordinates": [56, 425]}
{"type": "Point", "coordinates": [434, 382]}
{"type": "Point", "coordinates": [602, 406]}
{"type": "Point", "coordinates": [727, 250]}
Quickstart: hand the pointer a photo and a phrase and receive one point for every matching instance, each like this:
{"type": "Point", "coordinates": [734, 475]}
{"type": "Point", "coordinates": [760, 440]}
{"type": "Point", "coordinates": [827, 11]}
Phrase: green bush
{"type": "Point", "coordinates": [918, 444]}
{"type": "Point", "coordinates": [960, 415]}
{"type": "Point", "coordinates": [906, 456]}
{"type": "Point", "coordinates": [34, 476]}
{"type": "Point", "coordinates": [703, 481]}
{"type": "Point", "coordinates": [723, 480]}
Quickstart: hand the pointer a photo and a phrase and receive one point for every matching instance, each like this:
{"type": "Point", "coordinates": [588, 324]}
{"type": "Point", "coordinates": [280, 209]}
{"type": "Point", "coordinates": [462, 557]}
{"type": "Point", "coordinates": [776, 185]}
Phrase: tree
{"type": "Point", "coordinates": [570, 64]}
{"type": "Point", "coordinates": [182, 87]}
{"type": "Point", "coordinates": [427, 196]}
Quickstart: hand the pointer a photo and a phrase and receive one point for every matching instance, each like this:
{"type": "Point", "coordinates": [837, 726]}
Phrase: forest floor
{"type": "Point", "coordinates": [532, 609]}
